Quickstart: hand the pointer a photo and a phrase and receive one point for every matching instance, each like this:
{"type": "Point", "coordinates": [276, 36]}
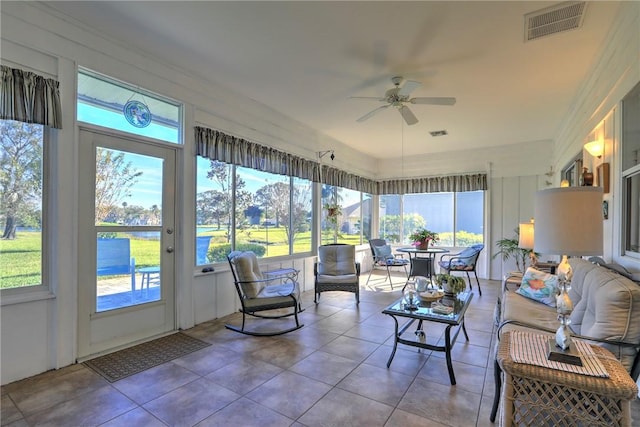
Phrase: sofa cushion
{"type": "Point", "coordinates": [249, 274]}
{"type": "Point", "coordinates": [382, 252]}
{"type": "Point", "coordinates": [337, 260]}
{"type": "Point", "coordinates": [580, 269]}
{"type": "Point", "coordinates": [539, 286]}
{"type": "Point", "coordinates": [525, 310]}
{"type": "Point", "coordinates": [610, 310]}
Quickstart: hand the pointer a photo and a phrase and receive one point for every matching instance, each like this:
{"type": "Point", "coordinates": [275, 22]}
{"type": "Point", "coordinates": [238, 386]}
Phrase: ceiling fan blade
{"type": "Point", "coordinates": [369, 98]}
{"type": "Point", "coordinates": [433, 100]}
{"type": "Point", "coordinates": [371, 113]}
{"type": "Point", "coordinates": [408, 116]}
{"type": "Point", "coordinates": [408, 87]}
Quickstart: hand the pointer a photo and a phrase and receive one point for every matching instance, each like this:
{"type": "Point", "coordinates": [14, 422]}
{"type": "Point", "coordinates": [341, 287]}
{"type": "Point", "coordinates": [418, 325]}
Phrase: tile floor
{"type": "Point", "coordinates": [332, 372]}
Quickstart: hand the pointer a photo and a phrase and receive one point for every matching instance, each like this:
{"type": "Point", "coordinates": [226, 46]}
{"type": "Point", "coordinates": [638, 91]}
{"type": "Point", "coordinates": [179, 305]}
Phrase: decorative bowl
{"type": "Point", "coordinates": [430, 295]}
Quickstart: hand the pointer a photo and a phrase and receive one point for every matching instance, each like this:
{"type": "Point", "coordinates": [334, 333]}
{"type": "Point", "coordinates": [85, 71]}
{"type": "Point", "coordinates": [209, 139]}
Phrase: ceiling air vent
{"type": "Point", "coordinates": [556, 19]}
{"type": "Point", "coordinates": [438, 133]}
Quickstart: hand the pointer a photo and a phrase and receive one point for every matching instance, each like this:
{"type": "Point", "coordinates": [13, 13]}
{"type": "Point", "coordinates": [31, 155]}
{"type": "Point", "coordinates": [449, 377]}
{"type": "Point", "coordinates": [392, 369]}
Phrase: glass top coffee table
{"type": "Point", "coordinates": [424, 312]}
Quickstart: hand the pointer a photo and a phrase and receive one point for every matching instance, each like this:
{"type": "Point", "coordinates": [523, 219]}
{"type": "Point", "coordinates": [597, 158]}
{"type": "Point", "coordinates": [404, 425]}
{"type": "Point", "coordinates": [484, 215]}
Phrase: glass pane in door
{"type": "Point", "coordinates": [128, 219]}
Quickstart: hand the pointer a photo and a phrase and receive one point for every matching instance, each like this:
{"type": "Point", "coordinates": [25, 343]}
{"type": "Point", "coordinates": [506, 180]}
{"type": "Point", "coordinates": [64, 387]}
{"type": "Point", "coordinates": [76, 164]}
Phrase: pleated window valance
{"type": "Point", "coordinates": [216, 145]}
{"type": "Point", "coordinates": [30, 98]}
{"type": "Point", "coordinates": [434, 184]}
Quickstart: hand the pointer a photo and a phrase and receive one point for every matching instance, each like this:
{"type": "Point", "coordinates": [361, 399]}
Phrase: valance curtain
{"type": "Point", "coordinates": [434, 184]}
{"type": "Point", "coordinates": [216, 145]}
{"type": "Point", "coordinates": [340, 178]}
{"type": "Point", "coordinates": [30, 98]}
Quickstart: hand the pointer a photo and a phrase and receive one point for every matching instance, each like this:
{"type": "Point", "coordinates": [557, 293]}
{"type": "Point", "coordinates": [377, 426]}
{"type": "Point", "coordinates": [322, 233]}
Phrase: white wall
{"type": "Point", "coordinates": [39, 333]}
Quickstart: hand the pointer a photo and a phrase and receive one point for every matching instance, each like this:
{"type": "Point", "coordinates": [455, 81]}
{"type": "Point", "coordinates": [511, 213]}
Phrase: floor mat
{"type": "Point", "coordinates": [123, 363]}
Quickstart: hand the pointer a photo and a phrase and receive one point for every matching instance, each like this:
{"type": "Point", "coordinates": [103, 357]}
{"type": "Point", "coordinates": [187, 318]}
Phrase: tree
{"type": "Point", "coordinates": [216, 205]}
{"type": "Point", "coordinates": [114, 179]}
{"type": "Point", "coordinates": [274, 199]}
{"type": "Point", "coordinates": [20, 175]}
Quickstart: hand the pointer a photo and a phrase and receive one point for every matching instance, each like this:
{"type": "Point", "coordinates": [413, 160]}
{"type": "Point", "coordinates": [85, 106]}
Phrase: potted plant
{"type": "Point", "coordinates": [509, 249]}
{"type": "Point", "coordinates": [451, 285]}
{"type": "Point", "coordinates": [333, 212]}
{"type": "Point", "coordinates": [422, 237]}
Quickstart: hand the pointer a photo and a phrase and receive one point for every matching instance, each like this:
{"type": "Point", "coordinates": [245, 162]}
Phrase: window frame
{"type": "Point", "coordinates": [49, 179]}
{"type": "Point", "coordinates": [233, 171]}
{"type": "Point", "coordinates": [136, 90]}
{"type": "Point", "coordinates": [405, 233]}
{"type": "Point", "coordinates": [631, 171]}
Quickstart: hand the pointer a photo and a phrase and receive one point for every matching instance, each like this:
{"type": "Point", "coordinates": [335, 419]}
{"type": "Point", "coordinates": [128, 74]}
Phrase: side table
{"type": "Point", "coordinates": [538, 396]}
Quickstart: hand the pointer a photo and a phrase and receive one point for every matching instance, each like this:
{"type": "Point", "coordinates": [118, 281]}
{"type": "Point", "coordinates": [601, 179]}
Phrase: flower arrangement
{"type": "Point", "coordinates": [422, 237]}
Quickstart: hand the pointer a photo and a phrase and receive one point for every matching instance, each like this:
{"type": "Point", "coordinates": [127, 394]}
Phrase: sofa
{"type": "Point", "coordinates": [606, 310]}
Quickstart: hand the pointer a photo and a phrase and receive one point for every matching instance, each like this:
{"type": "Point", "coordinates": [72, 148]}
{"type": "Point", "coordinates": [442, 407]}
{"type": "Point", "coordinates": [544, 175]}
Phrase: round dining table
{"type": "Point", "coordinates": [422, 265]}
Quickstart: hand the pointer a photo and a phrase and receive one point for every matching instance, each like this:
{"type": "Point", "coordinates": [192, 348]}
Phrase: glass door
{"type": "Point", "coordinates": [126, 285]}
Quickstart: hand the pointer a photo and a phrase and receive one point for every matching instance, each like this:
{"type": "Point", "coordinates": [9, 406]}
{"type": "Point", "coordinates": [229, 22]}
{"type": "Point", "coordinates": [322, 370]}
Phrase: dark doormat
{"type": "Point", "coordinates": [123, 363]}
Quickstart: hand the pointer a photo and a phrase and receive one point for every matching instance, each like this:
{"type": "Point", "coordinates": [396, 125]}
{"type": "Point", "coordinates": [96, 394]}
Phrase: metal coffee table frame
{"type": "Point", "coordinates": [423, 313]}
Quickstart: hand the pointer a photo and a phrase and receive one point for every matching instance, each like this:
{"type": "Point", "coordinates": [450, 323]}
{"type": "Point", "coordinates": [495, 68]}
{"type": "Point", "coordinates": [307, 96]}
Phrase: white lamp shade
{"type": "Point", "coordinates": [595, 148]}
{"type": "Point", "coordinates": [569, 221]}
{"type": "Point", "coordinates": [525, 239]}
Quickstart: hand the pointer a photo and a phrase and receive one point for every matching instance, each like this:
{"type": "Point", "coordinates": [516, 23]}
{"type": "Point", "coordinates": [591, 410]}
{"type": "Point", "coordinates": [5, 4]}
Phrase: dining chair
{"type": "Point", "coordinates": [384, 258]}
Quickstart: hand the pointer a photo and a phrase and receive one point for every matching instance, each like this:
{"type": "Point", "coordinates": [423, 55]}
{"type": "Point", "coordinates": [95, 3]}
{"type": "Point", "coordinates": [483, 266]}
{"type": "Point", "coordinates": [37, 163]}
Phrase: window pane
{"type": "Point", "coordinates": [631, 129]}
{"type": "Point", "coordinates": [390, 218]}
{"type": "Point", "coordinates": [262, 212]}
{"type": "Point", "coordinates": [331, 215]}
{"type": "Point", "coordinates": [469, 218]}
{"type": "Point", "coordinates": [213, 211]}
{"type": "Point", "coordinates": [349, 221]}
{"type": "Point", "coordinates": [101, 102]}
{"type": "Point", "coordinates": [21, 207]}
{"type": "Point", "coordinates": [434, 211]}
{"type": "Point", "coordinates": [367, 206]}
{"type": "Point", "coordinates": [128, 188]}
{"type": "Point", "coordinates": [302, 206]}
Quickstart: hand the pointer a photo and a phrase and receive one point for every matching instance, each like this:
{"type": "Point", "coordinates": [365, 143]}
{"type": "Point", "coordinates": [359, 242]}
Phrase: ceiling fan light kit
{"type": "Point", "coordinates": [398, 97]}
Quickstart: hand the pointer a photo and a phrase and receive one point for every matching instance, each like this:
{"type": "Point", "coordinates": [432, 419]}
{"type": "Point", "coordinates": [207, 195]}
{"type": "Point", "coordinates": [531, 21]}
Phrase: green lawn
{"type": "Point", "coordinates": [20, 259]}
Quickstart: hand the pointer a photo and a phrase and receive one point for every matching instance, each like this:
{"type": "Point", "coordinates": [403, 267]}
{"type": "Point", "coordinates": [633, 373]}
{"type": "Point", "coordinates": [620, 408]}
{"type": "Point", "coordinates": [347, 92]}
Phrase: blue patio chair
{"type": "Point", "coordinates": [202, 248]}
{"type": "Point", "coordinates": [384, 258]}
{"type": "Point", "coordinates": [464, 262]}
{"type": "Point", "coordinates": [114, 258]}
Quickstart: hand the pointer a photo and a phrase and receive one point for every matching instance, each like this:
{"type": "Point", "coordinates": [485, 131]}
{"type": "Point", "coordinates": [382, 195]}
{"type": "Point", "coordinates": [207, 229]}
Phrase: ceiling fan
{"type": "Point", "coordinates": [398, 96]}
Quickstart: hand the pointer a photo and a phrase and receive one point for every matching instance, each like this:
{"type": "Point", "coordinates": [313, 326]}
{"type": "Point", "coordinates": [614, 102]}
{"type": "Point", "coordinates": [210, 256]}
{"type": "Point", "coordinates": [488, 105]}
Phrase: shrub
{"type": "Point", "coordinates": [219, 253]}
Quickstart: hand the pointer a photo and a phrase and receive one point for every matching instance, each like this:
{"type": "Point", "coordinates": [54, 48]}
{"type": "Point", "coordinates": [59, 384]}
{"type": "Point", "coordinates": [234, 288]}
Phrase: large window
{"type": "Point", "coordinates": [390, 218]}
{"type": "Point", "coordinates": [631, 172]}
{"type": "Point", "coordinates": [22, 204]}
{"type": "Point", "coordinates": [266, 213]}
{"type": "Point", "coordinates": [346, 216]}
{"type": "Point", "coordinates": [458, 218]}
{"type": "Point", "coordinates": [105, 102]}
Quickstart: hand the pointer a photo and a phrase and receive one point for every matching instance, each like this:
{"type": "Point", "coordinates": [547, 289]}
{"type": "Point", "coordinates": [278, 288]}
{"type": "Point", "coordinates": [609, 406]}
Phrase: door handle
{"type": "Point", "coordinates": [170, 249]}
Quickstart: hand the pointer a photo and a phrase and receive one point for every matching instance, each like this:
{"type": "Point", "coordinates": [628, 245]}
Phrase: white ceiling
{"type": "Point", "coordinates": [305, 59]}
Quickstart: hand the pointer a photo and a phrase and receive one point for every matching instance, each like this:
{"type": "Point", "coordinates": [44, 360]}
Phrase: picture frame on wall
{"type": "Point", "coordinates": [602, 177]}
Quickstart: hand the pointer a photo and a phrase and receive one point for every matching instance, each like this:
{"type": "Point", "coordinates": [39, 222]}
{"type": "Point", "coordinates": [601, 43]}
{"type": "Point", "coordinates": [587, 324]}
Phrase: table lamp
{"type": "Point", "coordinates": [526, 239]}
{"type": "Point", "coordinates": [568, 223]}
